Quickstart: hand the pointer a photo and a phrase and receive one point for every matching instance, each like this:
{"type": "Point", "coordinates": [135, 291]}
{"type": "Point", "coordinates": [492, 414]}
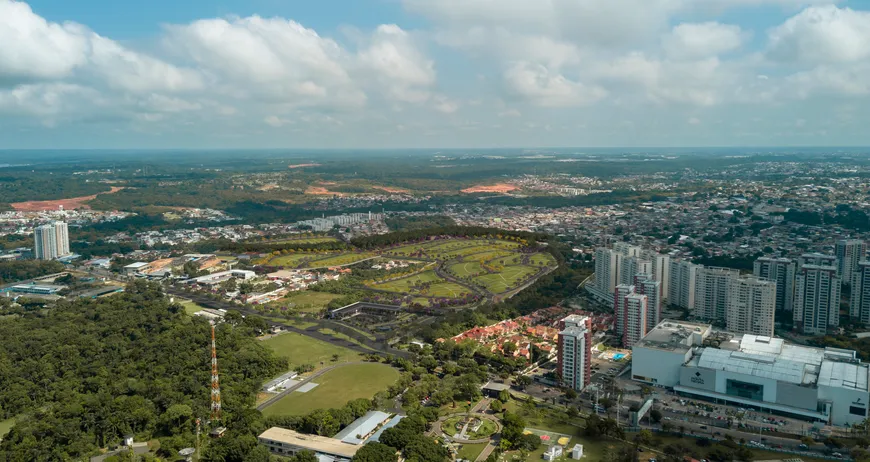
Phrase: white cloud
{"type": "Point", "coordinates": [398, 65]}
{"type": "Point", "coordinates": [127, 70]}
{"type": "Point", "coordinates": [33, 48]}
{"type": "Point", "coordinates": [275, 121]}
{"type": "Point", "coordinates": [702, 40]}
{"type": "Point", "coordinates": [542, 87]}
{"type": "Point", "coordinates": [446, 105]}
{"type": "Point", "coordinates": [822, 35]}
{"type": "Point", "coordinates": [269, 59]}
{"type": "Point", "coordinates": [47, 100]}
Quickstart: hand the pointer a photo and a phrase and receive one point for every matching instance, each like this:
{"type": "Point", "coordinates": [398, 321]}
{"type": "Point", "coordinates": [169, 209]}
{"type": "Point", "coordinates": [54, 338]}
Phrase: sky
{"type": "Point", "coordinates": [433, 73]}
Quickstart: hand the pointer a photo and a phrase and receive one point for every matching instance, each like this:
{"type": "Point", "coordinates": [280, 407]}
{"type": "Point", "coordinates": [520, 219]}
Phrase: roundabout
{"type": "Point", "coordinates": [469, 428]}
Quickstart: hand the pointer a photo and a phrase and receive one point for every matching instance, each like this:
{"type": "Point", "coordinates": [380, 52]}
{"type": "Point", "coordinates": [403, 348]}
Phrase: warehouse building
{"type": "Point", "coordinates": [816, 384]}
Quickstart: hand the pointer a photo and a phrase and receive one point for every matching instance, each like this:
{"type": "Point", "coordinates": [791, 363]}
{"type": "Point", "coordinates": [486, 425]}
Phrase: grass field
{"type": "Point", "coordinates": [340, 260]}
{"type": "Point", "coordinates": [190, 307]}
{"type": "Point", "coordinates": [405, 284]}
{"type": "Point", "coordinates": [446, 290]}
{"type": "Point", "coordinates": [5, 426]}
{"type": "Point", "coordinates": [542, 259]}
{"type": "Point", "coordinates": [470, 451]}
{"type": "Point", "coordinates": [299, 349]}
{"type": "Point", "coordinates": [467, 269]}
{"type": "Point", "coordinates": [337, 387]}
{"type": "Point", "coordinates": [307, 301]}
{"type": "Point", "coordinates": [505, 280]}
{"type": "Point", "coordinates": [293, 260]}
{"type": "Point", "coordinates": [305, 240]}
{"type": "Point", "coordinates": [487, 255]}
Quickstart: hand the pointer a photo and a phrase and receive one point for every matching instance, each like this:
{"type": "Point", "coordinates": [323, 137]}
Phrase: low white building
{"type": "Point", "coordinates": [553, 453]}
{"type": "Point", "coordinates": [816, 384]}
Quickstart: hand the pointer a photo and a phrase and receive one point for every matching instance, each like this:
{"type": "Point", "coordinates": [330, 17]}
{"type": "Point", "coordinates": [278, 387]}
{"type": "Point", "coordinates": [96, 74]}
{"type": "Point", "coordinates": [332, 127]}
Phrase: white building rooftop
{"type": "Point", "coordinates": [772, 358]}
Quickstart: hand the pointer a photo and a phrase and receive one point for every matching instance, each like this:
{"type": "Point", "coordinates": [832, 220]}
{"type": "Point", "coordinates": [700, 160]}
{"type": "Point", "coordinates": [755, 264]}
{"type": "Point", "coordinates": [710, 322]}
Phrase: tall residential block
{"type": "Point", "coordinates": [681, 290]}
{"type": "Point", "coordinates": [661, 270]}
{"type": "Point", "coordinates": [61, 234]}
{"type": "Point", "coordinates": [619, 315]}
{"type": "Point", "coordinates": [635, 313]}
{"type": "Point", "coordinates": [781, 270]}
{"type": "Point", "coordinates": [51, 241]}
{"type": "Point", "coordinates": [817, 294]}
{"type": "Point", "coordinates": [711, 292]}
{"type": "Point", "coordinates": [575, 351]}
{"type": "Point", "coordinates": [645, 284]}
{"type": "Point", "coordinates": [751, 306]}
{"type": "Point", "coordinates": [859, 305]}
{"type": "Point", "coordinates": [45, 242]}
{"type": "Point", "coordinates": [849, 253]}
{"type": "Point", "coordinates": [632, 266]}
{"type": "Point", "coordinates": [606, 271]}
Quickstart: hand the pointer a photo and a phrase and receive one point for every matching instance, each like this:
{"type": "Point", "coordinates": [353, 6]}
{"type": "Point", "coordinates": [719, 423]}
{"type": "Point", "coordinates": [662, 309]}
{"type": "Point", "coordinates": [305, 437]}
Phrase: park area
{"type": "Point", "coordinates": [307, 301]}
{"type": "Point", "coordinates": [337, 387]}
{"type": "Point", "coordinates": [300, 349]}
{"type": "Point", "coordinates": [508, 278]}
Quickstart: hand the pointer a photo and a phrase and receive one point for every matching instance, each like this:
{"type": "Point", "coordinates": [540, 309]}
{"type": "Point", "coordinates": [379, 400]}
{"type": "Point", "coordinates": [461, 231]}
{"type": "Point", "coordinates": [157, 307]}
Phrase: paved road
{"type": "Point", "coordinates": [276, 398]}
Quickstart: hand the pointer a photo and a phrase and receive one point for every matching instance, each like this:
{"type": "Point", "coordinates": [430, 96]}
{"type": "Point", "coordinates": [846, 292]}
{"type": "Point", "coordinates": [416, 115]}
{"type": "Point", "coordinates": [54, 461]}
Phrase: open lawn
{"type": "Point", "coordinates": [337, 387]}
{"type": "Point", "coordinates": [506, 279]}
{"type": "Point", "coordinates": [487, 255]}
{"type": "Point", "coordinates": [405, 284]}
{"type": "Point", "coordinates": [190, 307]}
{"type": "Point", "coordinates": [470, 451]}
{"type": "Point", "coordinates": [542, 259]}
{"type": "Point", "coordinates": [305, 240]}
{"type": "Point", "coordinates": [299, 349]}
{"type": "Point", "coordinates": [307, 301]}
{"type": "Point", "coordinates": [340, 260]}
{"type": "Point", "coordinates": [446, 290]}
{"type": "Point", "coordinates": [293, 260]}
{"type": "Point", "coordinates": [466, 269]}
{"type": "Point", "coordinates": [5, 426]}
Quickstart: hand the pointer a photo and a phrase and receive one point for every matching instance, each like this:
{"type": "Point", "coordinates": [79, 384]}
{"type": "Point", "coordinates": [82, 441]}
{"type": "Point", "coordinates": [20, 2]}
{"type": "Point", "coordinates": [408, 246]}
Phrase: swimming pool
{"type": "Point", "coordinates": [618, 356]}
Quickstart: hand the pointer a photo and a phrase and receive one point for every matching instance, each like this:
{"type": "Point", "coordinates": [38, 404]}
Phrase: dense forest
{"type": "Point", "coordinates": [85, 373]}
{"type": "Point", "coordinates": [39, 187]}
{"type": "Point", "coordinates": [18, 270]}
{"type": "Point", "coordinates": [408, 223]}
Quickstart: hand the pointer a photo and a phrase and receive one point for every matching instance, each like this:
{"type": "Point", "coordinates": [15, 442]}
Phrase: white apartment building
{"type": "Point", "coordinates": [681, 290]}
{"type": "Point", "coordinates": [45, 243]}
{"type": "Point", "coordinates": [632, 266]}
{"type": "Point", "coordinates": [619, 294]}
{"type": "Point", "coordinates": [781, 270]}
{"type": "Point", "coordinates": [711, 292]}
{"type": "Point", "coordinates": [575, 351]}
{"type": "Point", "coordinates": [751, 306]}
{"type": "Point", "coordinates": [635, 319]}
{"type": "Point", "coordinates": [817, 294]}
{"type": "Point", "coordinates": [644, 284]}
{"type": "Point", "coordinates": [859, 305]}
{"type": "Point", "coordinates": [849, 253]}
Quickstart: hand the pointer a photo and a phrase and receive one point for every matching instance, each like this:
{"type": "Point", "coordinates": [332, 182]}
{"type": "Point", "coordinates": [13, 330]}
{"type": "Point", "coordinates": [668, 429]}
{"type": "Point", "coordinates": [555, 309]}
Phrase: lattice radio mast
{"type": "Point", "coordinates": [215, 382]}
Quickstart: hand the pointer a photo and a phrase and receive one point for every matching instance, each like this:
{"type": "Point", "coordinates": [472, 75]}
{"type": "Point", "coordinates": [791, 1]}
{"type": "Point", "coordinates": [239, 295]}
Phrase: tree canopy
{"type": "Point", "coordinates": [85, 373]}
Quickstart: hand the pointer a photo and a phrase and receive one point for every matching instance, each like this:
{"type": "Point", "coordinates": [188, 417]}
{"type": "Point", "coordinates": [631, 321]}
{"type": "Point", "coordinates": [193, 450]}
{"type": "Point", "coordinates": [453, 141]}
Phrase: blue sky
{"type": "Point", "coordinates": [433, 73]}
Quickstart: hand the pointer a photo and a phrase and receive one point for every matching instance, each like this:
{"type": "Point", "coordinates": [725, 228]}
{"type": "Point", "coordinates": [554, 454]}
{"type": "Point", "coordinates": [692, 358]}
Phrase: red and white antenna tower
{"type": "Point", "coordinates": [215, 382]}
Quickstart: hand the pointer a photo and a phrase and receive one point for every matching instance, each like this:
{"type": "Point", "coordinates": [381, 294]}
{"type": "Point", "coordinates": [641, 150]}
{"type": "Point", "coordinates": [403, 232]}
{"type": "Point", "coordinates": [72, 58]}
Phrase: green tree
{"type": "Point", "coordinates": [375, 452]}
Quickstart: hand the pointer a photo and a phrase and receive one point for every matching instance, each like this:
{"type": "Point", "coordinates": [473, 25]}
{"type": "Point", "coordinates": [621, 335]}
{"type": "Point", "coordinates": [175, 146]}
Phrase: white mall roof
{"type": "Point", "coordinates": [844, 375]}
{"type": "Point", "coordinates": [772, 358]}
{"type": "Point", "coordinates": [758, 365]}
